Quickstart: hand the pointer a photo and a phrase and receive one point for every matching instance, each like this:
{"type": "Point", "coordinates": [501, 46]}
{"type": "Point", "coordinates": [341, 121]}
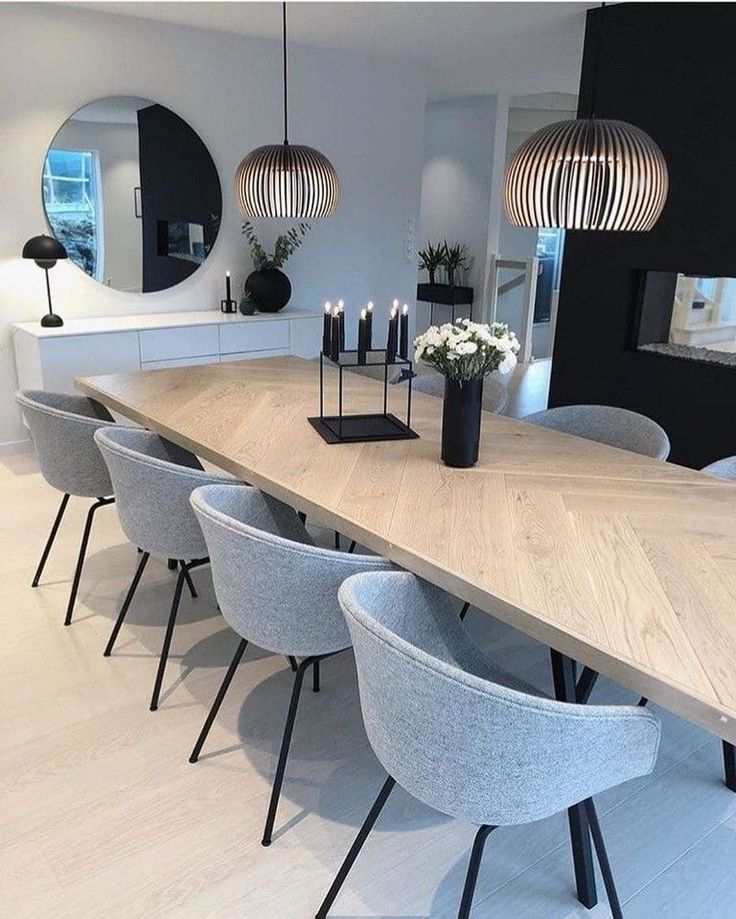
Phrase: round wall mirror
{"type": "Point", "coordinates": [132, 193]}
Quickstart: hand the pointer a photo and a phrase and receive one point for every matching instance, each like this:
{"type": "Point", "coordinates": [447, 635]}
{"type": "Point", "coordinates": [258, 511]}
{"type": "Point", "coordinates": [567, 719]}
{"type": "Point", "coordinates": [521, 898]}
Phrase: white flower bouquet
{"type": "Point", "coordinates": [466, 350]}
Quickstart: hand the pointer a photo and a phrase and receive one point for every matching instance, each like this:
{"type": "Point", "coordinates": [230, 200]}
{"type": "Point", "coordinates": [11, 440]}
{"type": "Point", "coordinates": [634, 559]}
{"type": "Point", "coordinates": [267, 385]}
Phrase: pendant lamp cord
{"type": "Point", "coordinates": [596, 64]}
{"type": "Point", "coordinates": [286, 84]}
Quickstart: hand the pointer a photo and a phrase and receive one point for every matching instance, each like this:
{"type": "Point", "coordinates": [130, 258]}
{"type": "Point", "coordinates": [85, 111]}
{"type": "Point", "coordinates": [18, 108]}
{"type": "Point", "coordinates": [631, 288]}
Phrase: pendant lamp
{"type": "Point", "coordinates": [286, 180]}
{"type": "Point", "coordinates": [588, 174]}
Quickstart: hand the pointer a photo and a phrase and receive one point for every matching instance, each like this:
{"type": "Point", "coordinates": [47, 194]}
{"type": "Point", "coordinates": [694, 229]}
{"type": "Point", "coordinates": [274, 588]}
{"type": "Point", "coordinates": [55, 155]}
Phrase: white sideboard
{"type": "Point", "coordinates": [51, 358]}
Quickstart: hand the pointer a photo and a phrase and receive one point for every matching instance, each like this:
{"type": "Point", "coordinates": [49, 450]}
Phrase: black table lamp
{"type": "Point", "coordinates": [46, 251]}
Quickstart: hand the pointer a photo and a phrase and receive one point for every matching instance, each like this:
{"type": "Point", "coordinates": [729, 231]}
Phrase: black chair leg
{"type": "Point", "coordinates": [100, 502]}
{"type": "Point", "coordinates": [172, 564]}
{"type": "Point", "coordinates": [315, 677]}
{"type": "Point", "coordinates": [185, 568]}
{"type": "Point", "coordinates": [285, 743]}
{"type": "Point", "coordinates": [190, 583]}
{"type": "Point", "coordinates": [357, 845]}
{"type": "Point", "coordinates": [302, 516]}
{"type": "Point", "coordinates": [353, 544]}
{"type": "Point", "coordinates": [564, 678]}
{"type": "Point", "coordinates": [239, 651]}
{"type": "Point", "coordinates": [600, 848]}
{"type": "Point", "coordinates": [50, 541]}
{"type": "Point", "coordinates": [337, 540]}
{"type": "Point", "coordinates": [729, 765]}
{"type": "Point", "coordinates": [126, 603]}
{"type": "Point", "coordinates": [729, 758]}
{"type": "Point", "coordinates": [472, 876]}
{"type": "Point", "coordinates": [292, 663]}
{"type": "Point", "coordinates": [464, 611]}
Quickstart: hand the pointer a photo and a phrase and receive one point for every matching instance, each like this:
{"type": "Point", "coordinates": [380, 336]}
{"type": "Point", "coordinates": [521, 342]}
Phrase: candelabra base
{"type": "Point", "coordinates": [358, 428]}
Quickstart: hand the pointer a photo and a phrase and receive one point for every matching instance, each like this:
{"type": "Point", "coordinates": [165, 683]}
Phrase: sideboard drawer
{"type": "Point", "coordinates": [264, 335]}
{"type": "Point", "coordinates": [175, 343]}
{"type": "Point", "coordinates": [253, 355]}
{"type": "Point", "coordinates": [180, 362]}
{"type": "Point", "coordinates": [60, 360]}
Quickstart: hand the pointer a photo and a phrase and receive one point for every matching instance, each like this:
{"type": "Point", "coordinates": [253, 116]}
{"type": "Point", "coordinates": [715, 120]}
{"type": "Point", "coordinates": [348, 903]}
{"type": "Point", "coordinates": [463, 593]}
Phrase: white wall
{"type": "Point", "coordinates": [457, 176]}
{"type": "Point", "coordinates": [117, 145]}
{"type": "Point", "coordinates": [366, 115]}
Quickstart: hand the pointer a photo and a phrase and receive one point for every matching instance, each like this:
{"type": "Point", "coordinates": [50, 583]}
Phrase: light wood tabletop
{"type": "Point", "coordinates": [623, 563]}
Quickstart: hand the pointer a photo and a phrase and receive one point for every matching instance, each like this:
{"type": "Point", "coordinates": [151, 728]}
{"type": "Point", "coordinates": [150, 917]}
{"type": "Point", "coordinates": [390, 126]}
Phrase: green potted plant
{"type": "Point", "coordinates": [431, 258]}
{"type": "Point", "coordinates": [267, 286]}
{"type": "Point", "coordinates": [456, 257]}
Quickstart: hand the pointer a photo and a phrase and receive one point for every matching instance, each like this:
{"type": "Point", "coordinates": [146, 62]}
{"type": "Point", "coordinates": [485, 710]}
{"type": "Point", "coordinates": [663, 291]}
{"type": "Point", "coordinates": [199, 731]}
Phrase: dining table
{"type": "Point", "coordinates": [623, 565]}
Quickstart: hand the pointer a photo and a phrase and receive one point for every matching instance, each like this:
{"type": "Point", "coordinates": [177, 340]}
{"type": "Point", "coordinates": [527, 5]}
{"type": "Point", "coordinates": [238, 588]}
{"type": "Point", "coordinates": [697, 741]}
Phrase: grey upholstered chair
{"type": "Point", "coordinates": [276, 590]}
{"type": "Point", "coordinates": [606, 424]}
{"type": "Point", "coordinates": [152, 480]}
{"type": "Point", "coordinates": [427, 380]}
{"type": "Point", "coordinates": [723, 468]}
{"type": "Point", "coordinates": [62, 428]}
{"type": "Point", "coordinates": [467, 739]}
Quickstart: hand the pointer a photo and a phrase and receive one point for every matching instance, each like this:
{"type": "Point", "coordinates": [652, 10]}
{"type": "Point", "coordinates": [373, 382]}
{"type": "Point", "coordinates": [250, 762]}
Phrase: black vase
{"type": "Point", "coordinates": [461, 422]}
{"type": "Point", "coordinates": [269, 288]}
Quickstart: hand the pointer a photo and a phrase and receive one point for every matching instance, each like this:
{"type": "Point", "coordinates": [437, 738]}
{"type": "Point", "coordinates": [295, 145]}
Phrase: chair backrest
{"type": "Point", "coordinates": [606, 424]}
{"type": "Point", "coordinates": [274, 587]}
{"type": "Point", "coordinates": [152, 480]}
{"type": "Point", "coordinates": [62, 429]}
{"type": "Point", "coordinates": [466, 746]}
{"type": "Point", "coordinates": [723, 468]}
{"type": "Point", "coordinates": [495, 394]}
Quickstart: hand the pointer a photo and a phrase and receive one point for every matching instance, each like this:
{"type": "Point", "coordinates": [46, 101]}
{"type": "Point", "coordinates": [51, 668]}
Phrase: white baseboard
{"type": "Point", "coordinates": [15, 446]}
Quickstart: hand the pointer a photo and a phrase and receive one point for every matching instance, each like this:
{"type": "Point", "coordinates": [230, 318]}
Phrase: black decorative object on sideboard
{"type": "Point", "coordinates": [268, 287]}
{"type": "Point", "coordinates": [228, 305]}
{"type": "Point", "coordinates": [46, 251]}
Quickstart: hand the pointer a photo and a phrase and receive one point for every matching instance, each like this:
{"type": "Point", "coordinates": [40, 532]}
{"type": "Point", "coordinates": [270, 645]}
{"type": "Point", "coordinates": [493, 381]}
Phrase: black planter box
{"type": "Point", "coordinates": [450, 294]}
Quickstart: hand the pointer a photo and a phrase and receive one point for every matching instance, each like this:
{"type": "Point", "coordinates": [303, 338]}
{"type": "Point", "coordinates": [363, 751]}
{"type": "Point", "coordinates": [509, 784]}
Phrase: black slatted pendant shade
{"type": "Point", "coordinates": [286, 180]}
{"type": "Point", "coordinates": [588, 174]}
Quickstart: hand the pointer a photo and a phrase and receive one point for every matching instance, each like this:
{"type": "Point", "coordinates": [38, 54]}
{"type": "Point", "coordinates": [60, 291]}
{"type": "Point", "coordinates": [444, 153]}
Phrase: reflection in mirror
{"type": "Point", "coordinates": [132, 193]}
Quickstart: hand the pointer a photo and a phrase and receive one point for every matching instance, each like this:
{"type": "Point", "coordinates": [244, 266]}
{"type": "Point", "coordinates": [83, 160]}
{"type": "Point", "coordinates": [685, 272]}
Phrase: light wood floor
{"type": "Point", "coordinates": [102, 815]}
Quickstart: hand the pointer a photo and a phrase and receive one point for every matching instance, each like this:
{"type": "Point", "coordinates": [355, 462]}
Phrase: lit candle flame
{"type": "Point", "coordinates": [370, 306]}
{"type": "Point", "coordinates": [363, 314]}
{"type": "Point", "coordinates": [405, 309]}
{"type": "Point", "coordinates": [340, 305]}
{"type": "Point", "coordinates": [328, 306]}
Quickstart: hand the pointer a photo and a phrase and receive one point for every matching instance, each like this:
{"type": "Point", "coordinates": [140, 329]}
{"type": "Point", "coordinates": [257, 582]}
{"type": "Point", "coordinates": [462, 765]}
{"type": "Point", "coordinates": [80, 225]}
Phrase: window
{"type": "Point", "coordinates": [71, 193]}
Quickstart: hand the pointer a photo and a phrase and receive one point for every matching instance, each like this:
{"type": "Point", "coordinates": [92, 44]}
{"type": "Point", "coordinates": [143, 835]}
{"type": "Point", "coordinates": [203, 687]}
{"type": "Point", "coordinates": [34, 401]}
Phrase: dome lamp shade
{"type": "Point", "coordinates": [44, 249]}
{"type": "Point", "coordinates": [286, 180]}
{"type": "Point", "coordinates": [588, 174]}
{"type": "Point", "coordinates": [592, 173]}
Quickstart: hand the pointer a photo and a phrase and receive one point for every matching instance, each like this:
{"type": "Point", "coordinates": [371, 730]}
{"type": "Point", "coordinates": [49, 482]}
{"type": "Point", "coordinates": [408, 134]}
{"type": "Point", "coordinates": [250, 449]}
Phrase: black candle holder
{"type": "Point", "coordinates": [350, 428]}
{"type": "Point", "coordinates": [228, 306]}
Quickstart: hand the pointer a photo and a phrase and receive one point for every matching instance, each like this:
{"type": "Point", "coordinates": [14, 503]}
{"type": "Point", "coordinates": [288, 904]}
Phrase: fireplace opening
{"type": "Point", "coordinates": [687, 316]}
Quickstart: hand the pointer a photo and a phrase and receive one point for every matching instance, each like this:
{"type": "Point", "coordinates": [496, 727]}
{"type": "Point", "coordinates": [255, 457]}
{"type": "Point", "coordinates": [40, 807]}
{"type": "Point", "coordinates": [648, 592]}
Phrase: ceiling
{"type": "Point", "coordinates": [467, 48]}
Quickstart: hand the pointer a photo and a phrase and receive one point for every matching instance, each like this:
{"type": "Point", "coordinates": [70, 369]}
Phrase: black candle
{"type": "Point", "coordinates": [393, 328]}
{"type": "Point", "coordinates": [369, 325]}
{"type": "Point", "coordinates": [404, 328]}
{"type": "Point", "coordinates": [362, 336]}
{"type": "Point", "coordinates": [326, 329]}
{"type": "Point", "coordinates": [335, 336]}
{"type": "Point", "coordinates": [227, 287]}
{"type": "Point", "coordinates": [341, 308]}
